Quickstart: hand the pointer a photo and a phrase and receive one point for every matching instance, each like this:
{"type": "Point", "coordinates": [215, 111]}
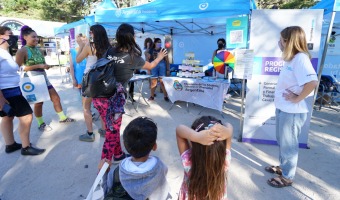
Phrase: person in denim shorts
{"type": "Point", "coordinates": [161, 70]}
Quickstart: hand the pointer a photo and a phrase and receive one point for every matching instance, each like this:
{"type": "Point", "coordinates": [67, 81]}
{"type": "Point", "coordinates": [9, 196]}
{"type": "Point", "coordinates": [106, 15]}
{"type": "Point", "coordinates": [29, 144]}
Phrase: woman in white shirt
{"type": "Point", "coordinates": [12, 103]}
{"type": "Point", "coordinates": [296, 82]}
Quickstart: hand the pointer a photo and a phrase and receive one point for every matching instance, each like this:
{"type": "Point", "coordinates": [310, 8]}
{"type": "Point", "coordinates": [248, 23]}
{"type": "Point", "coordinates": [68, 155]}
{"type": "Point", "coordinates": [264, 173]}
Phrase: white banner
{"type": "Point", "coordinates": [266, 25]}
{"type": "Point", "coordinates": [244, 59]}
{"type": "Point", "coordinates": [207, 93]}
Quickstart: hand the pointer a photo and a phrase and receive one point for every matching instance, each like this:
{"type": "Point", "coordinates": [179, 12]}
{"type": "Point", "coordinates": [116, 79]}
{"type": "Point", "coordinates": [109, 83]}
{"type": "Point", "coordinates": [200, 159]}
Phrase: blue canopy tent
{"type": "Point", "coordinates": [331, 24]}
{"type": "Point", "coordinates": [327, 5]}
{"type": "Point", "coordinates": [176, 16]}
{"type": "Point", "coordinates": [65, 28]}
{"type": "Point", "coordinates": [181, 20]}
{"type": "Point", "coordinates": [331, 28]}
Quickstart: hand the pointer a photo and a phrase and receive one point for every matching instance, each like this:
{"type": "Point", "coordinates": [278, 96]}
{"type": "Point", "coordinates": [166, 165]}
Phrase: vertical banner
{"type": "Point", "coordinates": [334, 45]}
{"type": "Point", "coordinates": [266, 25]}
{"type": "Point", "coordinates": [72, 38]}
{"type": "Point", "coordinates": [237, 32]}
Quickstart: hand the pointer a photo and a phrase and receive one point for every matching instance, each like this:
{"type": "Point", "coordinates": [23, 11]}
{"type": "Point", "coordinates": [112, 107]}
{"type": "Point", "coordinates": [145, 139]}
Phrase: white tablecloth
{"type": "Point", "coordinates": [204, 92]}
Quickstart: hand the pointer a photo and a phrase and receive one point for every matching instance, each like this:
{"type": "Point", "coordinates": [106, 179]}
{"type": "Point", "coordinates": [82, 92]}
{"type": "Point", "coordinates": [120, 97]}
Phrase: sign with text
{"type": "Point", "coordinates": [237, 32]}
{"type": "Point", "coordinates": [244, 60]}
{"type": "Point", "coordinates": [207, 93]}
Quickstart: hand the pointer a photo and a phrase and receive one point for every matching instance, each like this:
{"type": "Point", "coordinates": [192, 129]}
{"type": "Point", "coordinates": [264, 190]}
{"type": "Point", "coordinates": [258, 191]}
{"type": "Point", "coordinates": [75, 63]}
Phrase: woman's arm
{"type": "Point", "coordinates": [151, 65]}
{"type": "Point", "coordinates": [167, 65]}
{"type": "Point", "coordinates": [184, 134]}
{"type": "Point", "coordinates": [223, 133]}
{"type": "Point", "coordinates": [147, 55]}
{"type": "Point", "coordinates": [20, 60]}
{"type": "Point", "coordinates": [307, 89]}
{"type": "Point", "coordinates": [83, 52]}
{"type": "Point", "coordinates": [213, 56]}
{"type": "Point", "coordinates": [74, 80]}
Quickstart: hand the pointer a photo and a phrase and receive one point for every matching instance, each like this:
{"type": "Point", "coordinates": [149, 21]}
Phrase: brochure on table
{"type": "Point", "coordinates": [266, 25]}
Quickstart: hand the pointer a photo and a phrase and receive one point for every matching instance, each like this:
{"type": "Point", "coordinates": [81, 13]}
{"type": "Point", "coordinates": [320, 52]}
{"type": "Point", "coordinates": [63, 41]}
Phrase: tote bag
{"type": "Point", "coordinates": [34, 89]}
{"type": "Point", "coordinates": [96, 191]}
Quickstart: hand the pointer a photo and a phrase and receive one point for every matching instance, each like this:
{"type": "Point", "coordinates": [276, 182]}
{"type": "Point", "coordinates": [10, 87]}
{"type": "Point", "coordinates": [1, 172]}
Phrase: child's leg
{"type": "Point", "coordinates": [111, 144]}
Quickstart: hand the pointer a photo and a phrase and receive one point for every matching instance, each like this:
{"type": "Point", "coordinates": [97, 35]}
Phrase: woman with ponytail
{"type": "Point", "coordinates": [34, 64]}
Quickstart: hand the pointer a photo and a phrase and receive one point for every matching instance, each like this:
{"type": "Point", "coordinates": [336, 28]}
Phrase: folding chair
{"type": "Point", "coordinates": [235, 87]}
{"type": "Point", "coordinates": [329, 92]}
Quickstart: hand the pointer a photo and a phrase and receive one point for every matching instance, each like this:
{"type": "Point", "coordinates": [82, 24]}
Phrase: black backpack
{"type": "Point", "coordinates": [100, 81]}
{"type": "Point", "coordinates": [117, 192]}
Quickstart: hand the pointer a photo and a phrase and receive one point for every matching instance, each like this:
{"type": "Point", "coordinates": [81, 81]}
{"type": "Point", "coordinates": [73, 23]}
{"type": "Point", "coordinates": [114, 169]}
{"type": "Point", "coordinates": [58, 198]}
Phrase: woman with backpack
{"type": "Point", "coordinates": [127, 57]}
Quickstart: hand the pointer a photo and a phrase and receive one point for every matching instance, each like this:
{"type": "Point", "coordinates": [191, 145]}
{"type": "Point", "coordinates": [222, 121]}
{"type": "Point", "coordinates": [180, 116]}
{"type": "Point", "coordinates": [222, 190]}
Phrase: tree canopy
{"type": "Point", "coordinates": [50, 10]}
{"type": "Point", "coordinates": [73, 10]}
{"type": "Point", "coordinates": [285, 4]}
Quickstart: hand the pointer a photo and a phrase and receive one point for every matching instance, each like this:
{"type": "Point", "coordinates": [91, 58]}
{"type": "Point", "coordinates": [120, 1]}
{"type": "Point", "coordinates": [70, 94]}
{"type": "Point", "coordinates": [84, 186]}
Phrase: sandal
{"type": "Point", "coordinates": [151, 98]}
{"type": "Point", "coordinates": [279, 182]}
{"type": "Point", "coordinates": [67, 120]}
{"type": "Point", "coordinates": [274, 170]}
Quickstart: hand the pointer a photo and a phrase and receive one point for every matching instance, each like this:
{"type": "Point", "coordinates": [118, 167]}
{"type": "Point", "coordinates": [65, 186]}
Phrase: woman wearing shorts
{"type": "Point", "coordinates": [161, 70]}
{"type": "Point", "coordinates": [12, 103]}
{"type": "Point", "coordinates": [33, 60]}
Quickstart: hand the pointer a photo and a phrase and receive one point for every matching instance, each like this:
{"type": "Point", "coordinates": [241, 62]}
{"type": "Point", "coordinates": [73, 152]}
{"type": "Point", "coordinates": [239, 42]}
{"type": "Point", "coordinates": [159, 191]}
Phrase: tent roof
{"type": "Point", "coordinates": [43, 28]}
{"type": "Point", "coordinates": [170, 17]}
{"type": "Point", "coordinates": [175, 16]}
{"type": "Point", "coordinates": [327, 5]}
{"type": "Point", "coordinates": [161, 10]}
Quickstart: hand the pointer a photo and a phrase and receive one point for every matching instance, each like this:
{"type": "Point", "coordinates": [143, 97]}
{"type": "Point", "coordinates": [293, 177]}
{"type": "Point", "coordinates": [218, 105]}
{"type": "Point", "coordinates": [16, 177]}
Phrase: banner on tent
{"type": "Point", "coordinates": [333, 45]}
{"type": "Point", "coordinates": [207, 93]}
{"type": "Point", "coordinates": [259, 118]}
{"type": "Point", "coordinates": [72, 38]}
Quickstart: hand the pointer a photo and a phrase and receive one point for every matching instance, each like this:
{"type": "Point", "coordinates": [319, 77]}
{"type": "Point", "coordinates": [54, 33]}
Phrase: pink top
{"type": "Point", "coordinates": [183, 193]}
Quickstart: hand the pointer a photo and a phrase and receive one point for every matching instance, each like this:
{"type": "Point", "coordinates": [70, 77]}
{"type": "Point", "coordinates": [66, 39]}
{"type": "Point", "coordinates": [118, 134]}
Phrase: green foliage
{"type": "Point", "coordinates": [50, 10]}
{"type": "Point", "coordinates": [285, 4]}
{"type": "Point", "coordinates": [298, 4]}
{"type": "Point", "coordinates": [21, 8]}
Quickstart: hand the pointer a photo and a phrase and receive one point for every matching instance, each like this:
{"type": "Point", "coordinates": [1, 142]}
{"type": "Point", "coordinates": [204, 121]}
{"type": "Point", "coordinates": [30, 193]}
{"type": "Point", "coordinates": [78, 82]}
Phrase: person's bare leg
{"type": "Point", "coordinates": [55, 100]}
{"type": "Point", "coordinates": [7, 130]}
{"type": "Point", "coordinates": [87, 113]}
{"type": "Point", "coordinates": [163, 88]}
{"type": "Point", "coordinates": [153, 86]}
{"type": "Point", "coordinates": [25, 123]}
{"type": "Point", "coordinates": [102, 122]}
{"type": "Point", "coordinates": [38, 109]}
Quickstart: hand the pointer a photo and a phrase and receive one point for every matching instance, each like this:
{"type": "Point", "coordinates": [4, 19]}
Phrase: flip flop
{"type": "Point", "coordinates": [67, 120]}
{"type": "Point", "coordinates": [274, 169]}
{"type": "Point", "coordinates": [279, 182]}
